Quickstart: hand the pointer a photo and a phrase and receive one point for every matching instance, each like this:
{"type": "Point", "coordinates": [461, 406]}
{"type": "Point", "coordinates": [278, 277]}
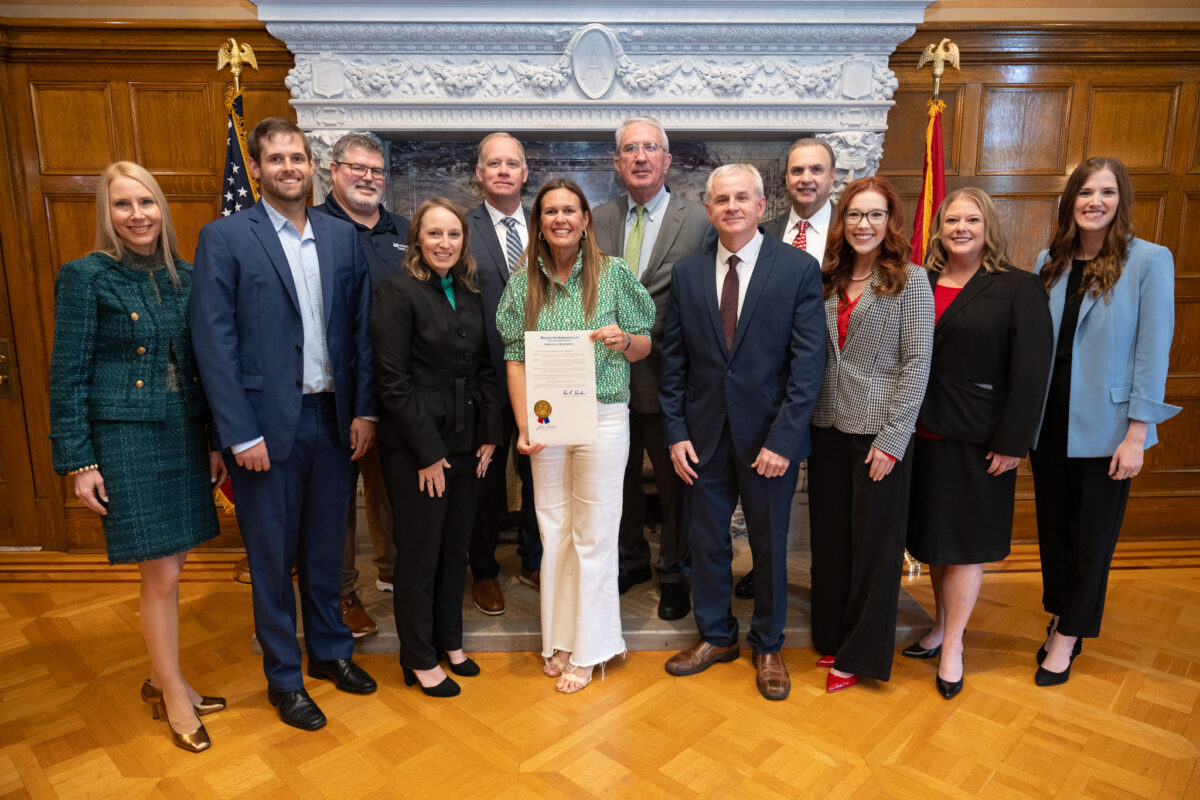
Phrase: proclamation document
{"type": "Point", "coordinates": [560, 387]}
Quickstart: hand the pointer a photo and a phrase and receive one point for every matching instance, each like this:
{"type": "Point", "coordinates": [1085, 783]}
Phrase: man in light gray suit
{"type": "Point", "coordinates": [808, 177]}
{"type": "Point", "coordinates": [651, 229]}
{"type": "Point", "coordinates": [499, 233]}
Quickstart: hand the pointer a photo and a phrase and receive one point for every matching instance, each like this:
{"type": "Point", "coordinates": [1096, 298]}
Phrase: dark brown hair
{"type": "Point", "coordinates": [538, 289]}
{"type": "Point", "coordinates": [268, 129]}
{"type": "Point", "coordinates": [414, 263]}
{"type": "Point", "coordinates": [1103, 271]}
{"type": "Point", "coordinates": [894, 251]}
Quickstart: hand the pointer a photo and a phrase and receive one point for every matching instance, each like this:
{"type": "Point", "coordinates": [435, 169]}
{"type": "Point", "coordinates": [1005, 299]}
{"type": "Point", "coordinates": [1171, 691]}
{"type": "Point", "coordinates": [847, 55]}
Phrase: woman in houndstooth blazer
{"type": "Point", "coordinates": [879, 315]}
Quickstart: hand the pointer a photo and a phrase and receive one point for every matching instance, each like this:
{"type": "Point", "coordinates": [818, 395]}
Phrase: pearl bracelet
{"type": "Point", "coordinates": [88, 468]}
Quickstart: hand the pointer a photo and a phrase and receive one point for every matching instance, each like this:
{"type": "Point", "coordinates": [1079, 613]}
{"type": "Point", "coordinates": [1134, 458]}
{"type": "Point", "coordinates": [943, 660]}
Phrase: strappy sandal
{"type": "Point", "coordinates": [574, 681]}
{"type": "Point", "coordinates": [553, 666]}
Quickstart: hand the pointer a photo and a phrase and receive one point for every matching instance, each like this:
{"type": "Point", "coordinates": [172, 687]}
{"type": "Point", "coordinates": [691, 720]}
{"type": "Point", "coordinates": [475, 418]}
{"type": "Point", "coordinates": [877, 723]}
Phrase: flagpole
{"type": "Point", "coordinates": [933, 176]}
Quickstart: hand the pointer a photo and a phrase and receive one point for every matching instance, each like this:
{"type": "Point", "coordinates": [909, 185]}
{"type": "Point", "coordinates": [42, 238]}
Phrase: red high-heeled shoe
{"type": "Point", "coordinates": [836, 683]}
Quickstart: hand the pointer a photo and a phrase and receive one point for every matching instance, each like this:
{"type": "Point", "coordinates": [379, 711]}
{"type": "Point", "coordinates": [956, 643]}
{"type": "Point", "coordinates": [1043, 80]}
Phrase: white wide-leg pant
{"type": "Point", "coordinates": [577, 493]}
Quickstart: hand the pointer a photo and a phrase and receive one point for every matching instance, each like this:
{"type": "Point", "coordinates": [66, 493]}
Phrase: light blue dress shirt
{"type": "Point", "coordinates": [301, 252]}
{"type": "Point", "coordinates": [655, 210]}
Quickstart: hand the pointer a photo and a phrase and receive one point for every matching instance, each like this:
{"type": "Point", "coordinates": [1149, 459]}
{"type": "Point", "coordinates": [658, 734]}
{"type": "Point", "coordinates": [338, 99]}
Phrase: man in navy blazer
{"type": "Point", "coordinates": [743, 356]}
{"type": "Point", "coordinates": [499, 234]}
{"type": "Point", "coordinates": [279, 306]}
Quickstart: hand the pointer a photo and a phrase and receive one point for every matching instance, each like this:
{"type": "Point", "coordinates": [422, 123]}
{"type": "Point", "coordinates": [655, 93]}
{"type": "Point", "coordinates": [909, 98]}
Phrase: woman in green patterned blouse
{"type": "Point", "coordinates": [567, 284]}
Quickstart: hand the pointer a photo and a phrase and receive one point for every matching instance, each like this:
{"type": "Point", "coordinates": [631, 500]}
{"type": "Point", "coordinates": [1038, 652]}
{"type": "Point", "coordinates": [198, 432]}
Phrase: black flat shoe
{"type": "Point", "coordinates": [915, 650]}
{"type": "Point", "coordinates": [948, 689]}
{"type": "Point", "coordinates": [345, 674]}
{"type": "Point", "coordinates": [297, 709]}
{"type": "Point", "coordinates": [465, 669]}
{"type": "Point", "coordinates": [674, 603]}
{"type": "Point", "coordinates": [447, 688]}
{"type": "Point", "coordinates": [745, 586]}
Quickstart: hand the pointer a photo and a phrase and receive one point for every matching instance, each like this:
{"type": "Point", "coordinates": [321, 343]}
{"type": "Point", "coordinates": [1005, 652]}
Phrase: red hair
{"type": "Point", "coordinates": [894, 252]}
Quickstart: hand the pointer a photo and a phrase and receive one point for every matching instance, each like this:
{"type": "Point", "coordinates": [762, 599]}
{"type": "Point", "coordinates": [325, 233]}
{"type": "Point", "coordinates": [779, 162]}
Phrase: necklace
{"type": "Point", "coordinates": [863, 278]}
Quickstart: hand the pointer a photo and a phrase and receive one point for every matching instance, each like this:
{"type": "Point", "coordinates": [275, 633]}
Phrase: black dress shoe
{"type": "Point", "coordinates": [744, 588]}
{"type": "Point", "coordinates": [345, 674]}
{"type": "Point", "coordinates": [915, 650]}
{"type": "Point", "coordinates": [674, 603]}
{"type": "Point", "coordinates": [297, 709]}
{"type": "Point", "coordinates": [1044, 677]}
{"type": "Point", "coordinates": [627, 579]}
{"type": "Point", "coordinates": [1076, 650]}
{"type": "Point", "coordinates": [465, 669]}
{"type": "Point", "coordinates": [447, 688]}
{"type": "Point", "coordinates": [947, 688]}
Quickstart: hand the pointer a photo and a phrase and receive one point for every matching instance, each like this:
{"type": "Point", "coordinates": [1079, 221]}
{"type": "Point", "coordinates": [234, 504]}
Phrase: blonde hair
{"type": "Point", "coordinates": [107, 240]}
{"type": "Point", "coordinates": [995, 247]}
{"type": "Point", "coordinates": [414, 263]}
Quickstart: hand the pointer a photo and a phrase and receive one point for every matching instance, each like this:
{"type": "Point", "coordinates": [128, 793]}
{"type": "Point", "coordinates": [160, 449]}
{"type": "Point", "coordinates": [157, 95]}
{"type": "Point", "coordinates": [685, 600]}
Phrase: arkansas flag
{"type": "Point", "coordinates": [933, 188]}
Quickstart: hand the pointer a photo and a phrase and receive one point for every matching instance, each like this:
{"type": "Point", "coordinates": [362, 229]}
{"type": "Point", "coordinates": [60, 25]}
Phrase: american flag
{"type": "Point", "coordinates": [239, 190]}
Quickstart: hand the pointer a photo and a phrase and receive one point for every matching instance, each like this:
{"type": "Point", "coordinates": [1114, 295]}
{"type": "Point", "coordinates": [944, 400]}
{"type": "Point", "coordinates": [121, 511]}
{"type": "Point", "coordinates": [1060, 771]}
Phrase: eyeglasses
{"type": "Point", "coordinates": [874, 217]}
{"type": "Point", "coordinates": [360, 170]}
{"type": "Point", "coordinates": [649, 148]}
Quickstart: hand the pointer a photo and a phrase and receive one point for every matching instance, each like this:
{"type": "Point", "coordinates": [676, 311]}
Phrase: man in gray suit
{"type": "Point", "coordinates": [499, 233]}
{"type": "Point", "coordinates": [652, 229]}
{"type": "Point", "coordinates": [808, 177]}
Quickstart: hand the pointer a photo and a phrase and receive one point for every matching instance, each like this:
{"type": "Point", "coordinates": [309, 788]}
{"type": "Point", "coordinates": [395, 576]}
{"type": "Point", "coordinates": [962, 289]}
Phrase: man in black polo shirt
{"type": "Point", "coordinates": [359, 176]}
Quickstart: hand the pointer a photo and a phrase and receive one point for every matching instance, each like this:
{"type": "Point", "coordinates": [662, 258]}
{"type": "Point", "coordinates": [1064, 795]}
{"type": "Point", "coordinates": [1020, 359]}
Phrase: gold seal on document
{"type": "Point", "coordinates": [541, 408]}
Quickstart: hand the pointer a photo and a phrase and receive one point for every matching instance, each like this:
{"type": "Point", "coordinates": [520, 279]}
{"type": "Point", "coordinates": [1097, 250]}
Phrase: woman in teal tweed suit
{"type": "Point", "coordinates": [128, 417]}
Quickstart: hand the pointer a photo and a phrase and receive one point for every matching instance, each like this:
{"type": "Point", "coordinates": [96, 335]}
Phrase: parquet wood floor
{"type": "Point", "coordinates": [1127, 725]}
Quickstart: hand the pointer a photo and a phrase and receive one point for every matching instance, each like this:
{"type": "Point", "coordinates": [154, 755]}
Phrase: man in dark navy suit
{"type": "Point", "coordinates": [499, 234]}
{"type": "Point", "coordinates": [743, 357]}
{"type": "Point", "coordinates": [280, 298]}
{"type": "Point", "coordinates": [358, 175]}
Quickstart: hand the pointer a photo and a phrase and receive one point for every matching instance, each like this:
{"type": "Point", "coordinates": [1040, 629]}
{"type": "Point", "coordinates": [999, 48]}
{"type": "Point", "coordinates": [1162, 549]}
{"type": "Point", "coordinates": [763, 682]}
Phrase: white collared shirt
{"type": "Point", "coordinates": [652, 219]}
{"type": "Point", "coordinates": [747, 256]}
{"type": "Point", "coordinates": [522, 228]}
{"type": "Point", "coordinates": [815, 236]}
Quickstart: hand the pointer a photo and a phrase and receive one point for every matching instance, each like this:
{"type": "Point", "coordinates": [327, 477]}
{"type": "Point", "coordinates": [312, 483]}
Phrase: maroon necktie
{"type": "Point", "coordinates": [729, 300]}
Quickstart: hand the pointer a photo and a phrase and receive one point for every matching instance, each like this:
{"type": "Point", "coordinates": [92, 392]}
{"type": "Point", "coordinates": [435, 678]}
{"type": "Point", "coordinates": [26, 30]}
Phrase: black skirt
{"type": "Point", "coordinates": [958, 514]}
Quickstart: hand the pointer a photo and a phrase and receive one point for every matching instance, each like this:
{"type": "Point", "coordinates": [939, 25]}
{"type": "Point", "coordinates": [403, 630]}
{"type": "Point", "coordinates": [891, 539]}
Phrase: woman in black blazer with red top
{"type": "Point", "coordinates": [439, 424]}
{"type": "Point", "coordinates": [991, 357]}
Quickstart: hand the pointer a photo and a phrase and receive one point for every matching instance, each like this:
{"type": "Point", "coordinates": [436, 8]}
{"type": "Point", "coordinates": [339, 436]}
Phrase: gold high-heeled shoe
{"type": "Point", "coordinates": [193, 741]}
{"type": "Point", "coordinates": [152, 696]}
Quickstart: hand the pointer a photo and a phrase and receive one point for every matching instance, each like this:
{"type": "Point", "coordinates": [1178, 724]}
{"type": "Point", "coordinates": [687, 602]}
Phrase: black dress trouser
{"type": "Point", "coordinates": [432, 535]}
{"type": "Point", "coordinates": [857, 531]}
{"type": "Point", "coordinates": [1079, 514]}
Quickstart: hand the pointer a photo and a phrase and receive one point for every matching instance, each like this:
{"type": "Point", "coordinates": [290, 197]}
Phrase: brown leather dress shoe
{"type": "Point", "coordinates": [356, 617]}
{"type": "Point", "coordinates": [488, 597]}
{"type": "Point", "coordinates": [773, 681]}
{"type": "Point", "coordinates": [700, 657]}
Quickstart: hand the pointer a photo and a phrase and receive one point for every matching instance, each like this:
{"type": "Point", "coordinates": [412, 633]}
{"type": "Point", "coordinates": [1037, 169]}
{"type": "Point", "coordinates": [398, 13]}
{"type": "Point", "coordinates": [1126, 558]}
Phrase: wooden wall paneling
{"type": "Point", "coordinates": [1193, 158]}
{"type": "Point", "coordinates": [1027, 221]}
{"type": "Point", "coordinates": [18, 519]}
{"type": "Point", "coordinates": [1136, 121]}
{"type": "Point", "coordinates": [1020, 129]}
{"type": "Point", "coordinates": [186, 110]}
{"type": "Point", "coordinates": [1187, 252]}
{"type": "Point", "coordinates": [904, 152]}
{"type": "Point", "coordinates": [147, 92]}
{"type": "Point", "coordinates": [1149, 209]}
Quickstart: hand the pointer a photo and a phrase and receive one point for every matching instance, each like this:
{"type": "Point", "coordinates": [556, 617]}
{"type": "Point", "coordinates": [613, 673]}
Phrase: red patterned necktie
{"type": "Point", "coordinates": [729, 300]}
{"type": "Point", "coordinates": [801, 239]}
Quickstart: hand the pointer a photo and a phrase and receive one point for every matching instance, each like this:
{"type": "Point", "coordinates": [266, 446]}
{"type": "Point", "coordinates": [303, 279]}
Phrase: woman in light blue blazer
{"type": "Point", "coordinates": [1112, 304]}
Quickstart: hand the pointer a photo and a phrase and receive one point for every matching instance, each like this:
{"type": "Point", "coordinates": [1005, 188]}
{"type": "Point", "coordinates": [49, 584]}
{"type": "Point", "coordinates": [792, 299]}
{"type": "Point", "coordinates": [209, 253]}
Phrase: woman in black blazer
{"type": "Point", "coordinates": [991, 357]}
{"type": "Point", "coordinates": [439, 424]}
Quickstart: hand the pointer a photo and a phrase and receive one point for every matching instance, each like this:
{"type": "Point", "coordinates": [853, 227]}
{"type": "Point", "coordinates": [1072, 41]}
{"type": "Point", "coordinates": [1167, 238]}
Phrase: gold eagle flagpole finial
{"type": "Point", "coordinates": [235, 56]}
{"type": "Point", "coordinates": [945, 52]}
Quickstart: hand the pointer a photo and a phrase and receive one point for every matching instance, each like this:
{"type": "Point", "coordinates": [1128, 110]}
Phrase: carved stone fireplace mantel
{"type": "Point", "coordinates": [763, 69]}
